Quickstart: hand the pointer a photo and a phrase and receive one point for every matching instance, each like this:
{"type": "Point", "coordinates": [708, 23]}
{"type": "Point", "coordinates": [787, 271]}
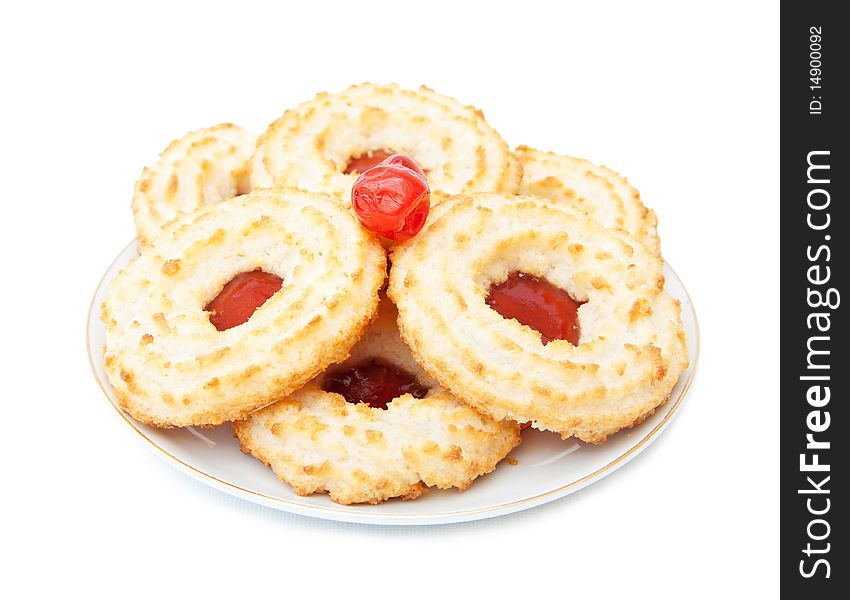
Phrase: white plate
{"type": "Point", "coordinates": [547, 467]}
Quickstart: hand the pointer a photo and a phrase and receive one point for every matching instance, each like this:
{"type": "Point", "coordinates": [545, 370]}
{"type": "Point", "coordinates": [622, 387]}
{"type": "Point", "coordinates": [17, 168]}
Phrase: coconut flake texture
{"type": "Point", "coordinates": [203, 167]}
{"type": "Point", "coordinates": [318, 442]}
{"type": "Point", "coordinates": [170, 366]}
{"type": "Point", "coordinates": [310, 146]}
{"type": "Point", "coordinates": [593, 189]}
{"type": "Point", "coordinates": [632, 347]}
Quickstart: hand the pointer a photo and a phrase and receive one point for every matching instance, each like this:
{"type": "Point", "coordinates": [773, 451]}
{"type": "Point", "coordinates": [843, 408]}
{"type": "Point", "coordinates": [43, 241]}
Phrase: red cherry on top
{"type": "Point", "coordinates": [392, 198]}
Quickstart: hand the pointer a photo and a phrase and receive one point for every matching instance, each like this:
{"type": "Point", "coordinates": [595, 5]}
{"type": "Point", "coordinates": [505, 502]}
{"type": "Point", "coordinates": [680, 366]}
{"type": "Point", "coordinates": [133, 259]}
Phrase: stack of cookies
{"type": "Point", "coordinates": [368, 365]}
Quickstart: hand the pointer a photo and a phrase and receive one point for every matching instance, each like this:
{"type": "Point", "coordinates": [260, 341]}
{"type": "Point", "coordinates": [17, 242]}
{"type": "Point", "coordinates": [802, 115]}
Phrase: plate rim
{"type": "Point", "coordinates": [426, 518]}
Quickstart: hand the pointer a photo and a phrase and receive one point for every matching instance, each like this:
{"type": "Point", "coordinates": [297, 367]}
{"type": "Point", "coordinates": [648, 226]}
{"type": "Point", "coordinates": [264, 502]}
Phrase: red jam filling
{"type": "Point", "coordinates": [538, 304]}
{"type": "Point", "coordinates": [367, 160]}
{"type": "Point", "coordinates": [240, 297]}
{"type": "Point", "coordinates": [374, 383]}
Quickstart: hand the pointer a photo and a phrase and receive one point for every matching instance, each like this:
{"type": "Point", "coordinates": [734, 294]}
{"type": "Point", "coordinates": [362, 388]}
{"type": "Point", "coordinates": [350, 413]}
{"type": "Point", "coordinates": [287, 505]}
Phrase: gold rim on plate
{"type": "Point", "coordinates": [497, 510]}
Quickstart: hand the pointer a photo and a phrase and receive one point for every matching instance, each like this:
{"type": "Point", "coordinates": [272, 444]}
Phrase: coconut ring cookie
{"type": "Point", "coordinates": [312, 146]}
{"type": "Point", "coordinates": [593, 189]}
{"type": "Point", "coordinates": [318, 442]}
{"type": "Point", "coordinates": [632, 344]}
{"type": "Point", "coordinates": [170, 366]}
{"type": "Point", "coordinates": [203, 167]}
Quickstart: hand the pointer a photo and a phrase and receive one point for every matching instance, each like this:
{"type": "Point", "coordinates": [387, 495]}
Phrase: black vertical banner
{"type": "Point", "coordinates": [815, 62]}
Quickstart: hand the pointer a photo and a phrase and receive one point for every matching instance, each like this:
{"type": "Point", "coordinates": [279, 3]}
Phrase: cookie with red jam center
{"type": "Point", "coordinates": [238, 304]}
{"type": "Point", "coordinates": [374, 427]}
{"type": "Point", "coordinates": [529, 310]}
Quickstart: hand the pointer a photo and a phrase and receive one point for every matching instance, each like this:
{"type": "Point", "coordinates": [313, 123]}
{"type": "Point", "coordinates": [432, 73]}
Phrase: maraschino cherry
{"type": "Point", "coordinates": [392, 198]}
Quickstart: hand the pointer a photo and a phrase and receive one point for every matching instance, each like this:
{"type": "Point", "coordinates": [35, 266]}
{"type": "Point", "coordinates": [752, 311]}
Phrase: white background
{"type": "Point", "coordinates": [683, 100]}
